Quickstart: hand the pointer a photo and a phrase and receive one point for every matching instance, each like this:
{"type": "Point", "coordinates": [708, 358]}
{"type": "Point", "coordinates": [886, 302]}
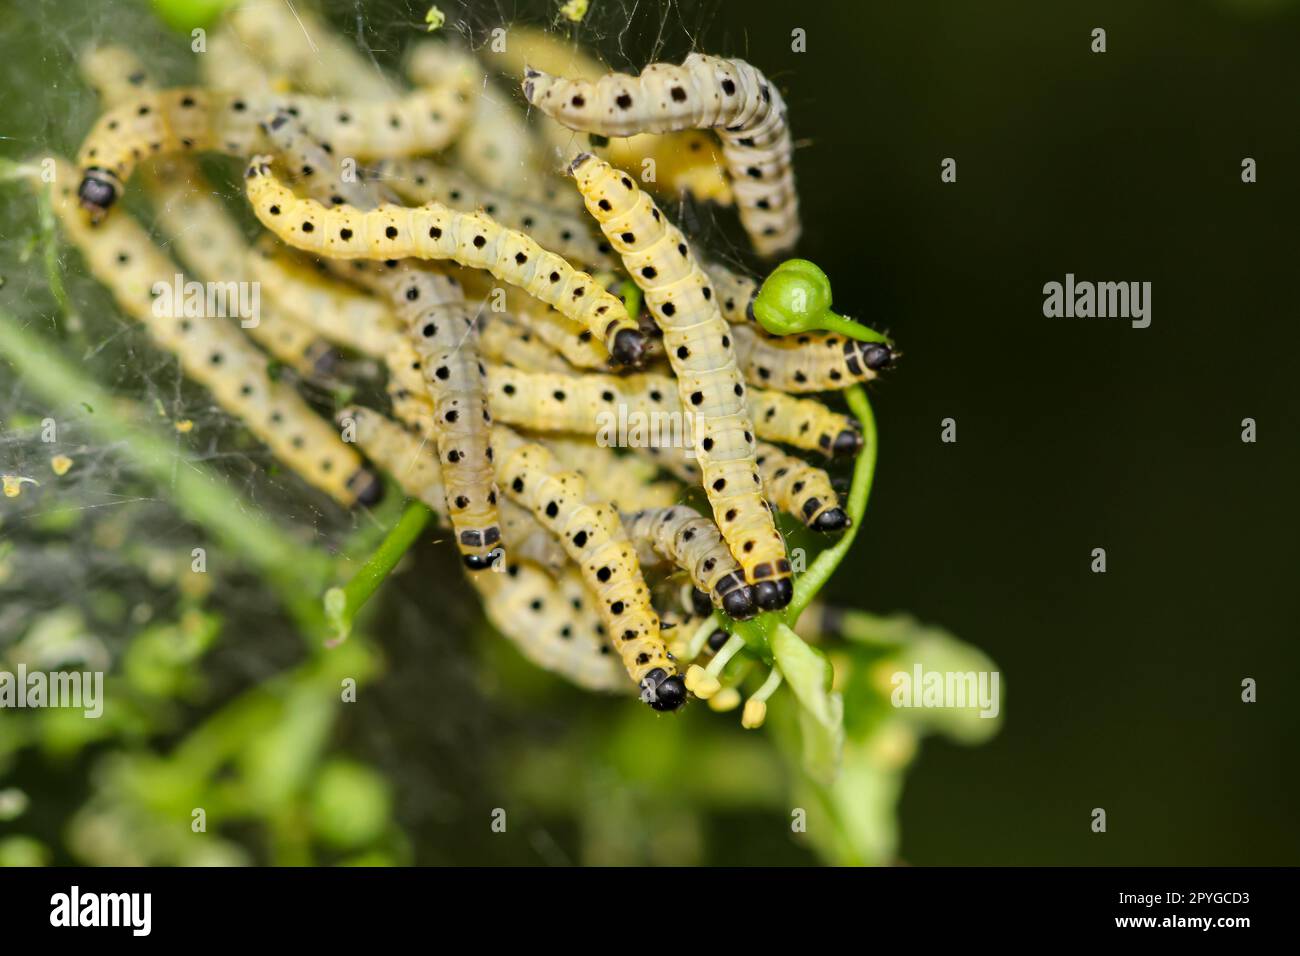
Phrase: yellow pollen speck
{"type": "Point", "coordinates": [184, 426]}
{"type": "Point", "coordinates": [60, 464]}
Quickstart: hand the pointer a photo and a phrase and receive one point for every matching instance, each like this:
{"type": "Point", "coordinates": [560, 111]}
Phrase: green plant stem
{"type": "Point", "coordinates": [864, 472]}
{"type": "Point", "coordinates": [343, 603]}
{"type": "Point", "coordinates": [198, 494]}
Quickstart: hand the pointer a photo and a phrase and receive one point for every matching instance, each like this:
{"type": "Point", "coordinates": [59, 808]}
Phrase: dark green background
{"type": "Point", "coordinates": [1123, 688]}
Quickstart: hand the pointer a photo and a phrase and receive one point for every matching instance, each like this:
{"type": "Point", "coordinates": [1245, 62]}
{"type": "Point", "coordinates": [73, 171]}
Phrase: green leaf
{"type": "Point", "coordinates": [809, 675]}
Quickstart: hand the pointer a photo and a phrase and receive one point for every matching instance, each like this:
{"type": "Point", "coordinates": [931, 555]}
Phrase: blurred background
{"type": "Point", "coordinates": [1123, 689]}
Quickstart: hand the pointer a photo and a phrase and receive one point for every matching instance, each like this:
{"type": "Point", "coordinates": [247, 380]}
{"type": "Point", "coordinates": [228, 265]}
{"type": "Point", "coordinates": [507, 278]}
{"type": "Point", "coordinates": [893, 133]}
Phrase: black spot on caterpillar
{"type": "Point", "coordinates": [705, 92]}
{"type": "Point", "coordinates": [214, 353]}
{"type": "Point", "coordinates": [436, 232]}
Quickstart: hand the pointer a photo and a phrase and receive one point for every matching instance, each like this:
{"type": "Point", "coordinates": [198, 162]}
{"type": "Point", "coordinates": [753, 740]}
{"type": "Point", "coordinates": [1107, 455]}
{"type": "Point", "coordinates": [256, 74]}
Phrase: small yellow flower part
{"type": "Point", "coordinates": [185, 426]}
{"type": "Point", "coordinates": [701, 683]}
{"type": "Point", "coordinates": [435, 18]}
{"type": "Point", "coordinates": [726, 699]}
{"type": "Point", "coordinates": [575, 10]}
{"type": "Point", "coordinates": [13, 484]}
{"type": "Point", "coordinates": [60, 464]}
{"type": "Point", "coordinates": [754, 715]}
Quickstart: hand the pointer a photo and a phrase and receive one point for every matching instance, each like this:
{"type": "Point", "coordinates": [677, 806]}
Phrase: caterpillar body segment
{"type": "Point", "coordinates": [809, 362]}
{"type": "Point", "coordinates": [699, 347]}
{"type": "Point", "coordinates": [424, 181]}
{"type": "Point", "coordinates": [343, 315]}
{"type": "Point", "coordinates": [529, 541]}
{"type": "Point", "coordinates": [553, 624]}
{"type": "Point", "coordinates": [594, 539]}
{"type": "Point", "coordinates": [644, 409]}
{"type": "Point", "coordinates": [436, 232]}
{"type": "Point", "coordinates": [629, 482]}
{"type": "Point", "coordinates": [214, 352]}
{"type": "Point", "coordinates": [230, 67]}
{"type": "Point", "coordinates": [430, 308]}
{"type": "Point", "coordinates": [804, 423]}
{"type": "Point", "coordinates": [205, 235]}
{"type": "Point", "coordinates": [571, 340]}
{"type": "Point", "coordinates": [192, 119]}
{"type": "Point", "coordinates": [705, 92]}
{"type": "Point", "coordinates": [801, 489]}
{"type": "Point", "coordinates": [505, 342]}
{"type": "Point", "coordinates": [293, 42]}
{"type": "Point", "coordinates": [680, 535]}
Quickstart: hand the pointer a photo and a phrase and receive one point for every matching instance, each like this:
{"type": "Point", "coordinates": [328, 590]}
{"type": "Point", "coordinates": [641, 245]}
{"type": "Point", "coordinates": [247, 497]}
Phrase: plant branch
{"type": "Point", "coordinates": [343, 603]}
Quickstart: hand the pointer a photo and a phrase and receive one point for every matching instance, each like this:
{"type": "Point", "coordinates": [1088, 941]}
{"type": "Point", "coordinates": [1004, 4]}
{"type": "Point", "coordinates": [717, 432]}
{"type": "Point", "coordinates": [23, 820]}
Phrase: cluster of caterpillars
{"type": "Point", "coordinates": [434, 226]}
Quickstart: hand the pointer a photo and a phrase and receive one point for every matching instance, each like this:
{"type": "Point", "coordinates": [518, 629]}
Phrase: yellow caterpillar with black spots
{"type": "Point", "coordinates": [424, 181]}
{"type": "Point", "coordinates": [681, 535]}
{"type": "Point", "coordinates": [698, 343]}
{"type": "Point", "coordinates": [213, 351]}
{"type": "Point", "coordinates": [504, 341]}
{"type": "Point", "coordinates": [594, 538]}
{"type": "Point", "coordinates": [548, 616]}
{"type": "Point", "coordinates": [801, 489]}
{"type": "Point", "coordinates": [704, 92]}
{"type": "Point", "coordinates": [192, 119]}
{"type": "Point", "coordinates": [436, 232]}
{"type": "Point", "coordinates": [430, 308]}
{"type": "Point", "coordinates": [569, 339]}
{"type": "Point", "coordinates": [629, 482]}
{"type": "Point", "coordinates": [645, 408]}
{"type": "Point", "coordinates": [206, 237]}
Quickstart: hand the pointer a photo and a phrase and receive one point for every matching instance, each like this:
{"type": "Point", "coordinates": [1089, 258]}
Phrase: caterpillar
{"type": "Point", "coordinates": [339, 313]}
{"type": "Point", "coordinates": [705, 92]}
{"type": "Point", "coordinates": [595, 541]}
{"type": "Point", "coordinates": [497, 147]}
{"type": "Point", "coordinates": [432, 310]}
{"type": "Point", "coordinates": [644, 408]}
{"type": "Point", "coordinates": [205, 235]}
{"type": "Point", "coordinates": [571, 340]}
{"type": "Point", "coordinates": [191, 119]}
{"type": "Point", "coordinates": [423, 181]}
{"type": "Point", "coordinates": [697, 339]}
{"type": "Point", "coordinates": [800, 489]}
{"type": "Point", "coordinates": [505, 342]}
{"type": "Point", "coordinates": [626, 481]}
{"type": "Point", "coordinates": [230, 67]}
{"type": "Point", "coordinates": [810, 362]}
{"type": "Point", "coordinates": [692, 542]}
{"type": "Point", "coordinates": [552, 622]}
{"type": "Point", "coordinates": [436, 232]}
{"type": "Point", "coordinates": [214, 353]}
{"type": "Point", "coordinates": [293, 42]}
{"type": "Point", "coordinates": [682, 162]}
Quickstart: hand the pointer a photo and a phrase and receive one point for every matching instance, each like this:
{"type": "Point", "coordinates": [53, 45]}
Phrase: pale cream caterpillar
{"type": "Point", "coordinates": [213, 352]}
{"type": "Point", "coordinates": [645, 408]}
{"type": "Point", "coordinates": [551, 621]}
{"type": "Point", "coordinates": [229, 66]}
{"type": "Point", "coordinates": [705, 92]}
{"type": "Point", "coordinates": [570, 339]}
{"type": "Point", "coordinates": [699, 347]}
{"type": "Point", "coordinates": [630, 483]}
{"type": "Point", "coordinates": [594, 539]}
{"type": "Point", "coordinates": [436, 232]}
{"type": "Point", "coordinates": [192, 119]}
{"type": "Point", "coordinates": [686, 161]}
{"type": "Point", "coordinates": [505, 342]}
{"type": "Point", "coordinates": [205, 235]}
{"type": "Point", "coordinates": [808, 362]}
{"type": "Point", "coordinates": [800, 489]}
{"type": "Point", "coordinates": [336, 311]}
{"type": "Point", "coordinates": [569, 234]}
{"type": "Point", "coordinates": [681, 535]}
{"type": "Point", "coordinates": [431, 309]}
